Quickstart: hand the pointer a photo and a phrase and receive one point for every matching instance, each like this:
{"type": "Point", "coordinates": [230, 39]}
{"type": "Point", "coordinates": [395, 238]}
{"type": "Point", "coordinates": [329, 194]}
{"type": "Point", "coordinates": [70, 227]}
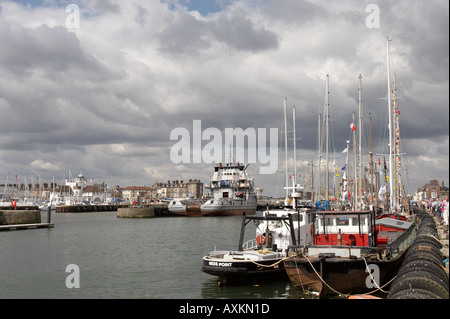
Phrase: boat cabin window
{"type": "Point", "coordinates": [225, 195]}
{"type": "Point", "coordinates": [342, 221]}
{"type": "Point", "coordinates": [362, 221]}
{"type": "Point", "coordinates": [328, 221]}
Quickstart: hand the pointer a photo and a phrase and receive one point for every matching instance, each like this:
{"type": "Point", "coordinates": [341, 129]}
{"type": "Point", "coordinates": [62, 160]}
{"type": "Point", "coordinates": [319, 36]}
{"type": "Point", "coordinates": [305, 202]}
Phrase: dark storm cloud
{"type": "Point", "coordinates": [295, 12]}
{"type": "Point", "coordinates": [185, 35]}
{"type": "Point", "coordinates": [106, 6]}
{"type": "Point", "coordinates": [107, 96]}
{"type": "Point", "coordinates": [241, 34]}
{"type": "Point", "coordinates": [420, 28]}
{"type": "Point", "coordinates": [189, 35]}
{"type": "Point", "coordinates": [44, 48]}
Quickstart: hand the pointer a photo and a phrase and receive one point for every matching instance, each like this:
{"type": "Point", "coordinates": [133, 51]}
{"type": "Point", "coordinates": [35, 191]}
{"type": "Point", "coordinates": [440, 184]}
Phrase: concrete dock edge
{"type": "Point", "coordinates": [136, 212]}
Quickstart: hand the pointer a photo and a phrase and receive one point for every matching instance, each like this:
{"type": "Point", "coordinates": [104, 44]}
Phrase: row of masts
{"type": "Point", "coordinates": [360, 199]}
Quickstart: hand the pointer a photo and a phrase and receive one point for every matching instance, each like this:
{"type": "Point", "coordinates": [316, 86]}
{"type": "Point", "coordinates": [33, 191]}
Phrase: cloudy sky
{"type": "Point", "coordinates": [99, 85]}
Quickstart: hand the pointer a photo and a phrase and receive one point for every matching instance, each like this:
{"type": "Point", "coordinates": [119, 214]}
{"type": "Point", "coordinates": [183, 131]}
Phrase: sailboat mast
{"type": "Point", "coordinates": [396, 113]}
{"type": "Point", "coordinates": [319, 187]}
{"type": "Point", "coordinates": [347, 175]}
{"type": "Point", "coordinates": [371, 161]}
{"type": "Point", "coordinates": [286, 150]}
{"type": "Point", "coordinates": [326, 138]}
{"type": "Point", "coordinates": [294, 180]}
{"type": "Point", "coordinates": [360, 136]}
{"type": "Point", "coordinates": [355, 186]}
{"type": "Point", "coordinates": [391, 199]}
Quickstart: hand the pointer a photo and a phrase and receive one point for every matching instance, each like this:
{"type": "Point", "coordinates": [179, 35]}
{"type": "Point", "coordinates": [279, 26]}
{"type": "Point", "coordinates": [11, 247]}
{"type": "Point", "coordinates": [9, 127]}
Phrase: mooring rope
{"type": "Point", "coordinates": [320, 277]}
{"type": "Point", "coordinates": [340, 293]}
{"type": "Point", "coordinates": [272, 265]}
{"type": "Point", "coordinates": [371, 277]}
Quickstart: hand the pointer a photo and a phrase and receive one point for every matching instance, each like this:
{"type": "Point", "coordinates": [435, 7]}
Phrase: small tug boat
{"type": "Point", "coordinates": [262, 257]}
{"type": "Point", "coordinates": [259, 258]}
{"type": "Point", "coordinates": [353, 252]}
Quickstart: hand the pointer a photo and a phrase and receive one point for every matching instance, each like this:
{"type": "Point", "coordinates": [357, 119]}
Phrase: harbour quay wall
{"type": "Point", "coordinates": [87, 208]}
{"type": "Point", "coordinates": [136, 212]}
{"type": "Point", "coordinates": [35, 207]}
{"type": "Point", "coordinates": [18, 217]}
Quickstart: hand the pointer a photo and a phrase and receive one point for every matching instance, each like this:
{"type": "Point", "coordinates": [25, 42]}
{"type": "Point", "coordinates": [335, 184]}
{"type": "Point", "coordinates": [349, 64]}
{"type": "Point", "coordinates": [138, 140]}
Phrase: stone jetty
{"type": "Point", "coordinates": [22, 219]}
{"type": "Point", "coordinates": [136, 212]}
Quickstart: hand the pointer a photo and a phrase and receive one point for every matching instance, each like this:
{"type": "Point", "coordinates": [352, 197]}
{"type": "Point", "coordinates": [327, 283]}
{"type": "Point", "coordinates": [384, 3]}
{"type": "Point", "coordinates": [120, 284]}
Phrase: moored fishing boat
{"type": "Point", "coordinates": [353, 252]}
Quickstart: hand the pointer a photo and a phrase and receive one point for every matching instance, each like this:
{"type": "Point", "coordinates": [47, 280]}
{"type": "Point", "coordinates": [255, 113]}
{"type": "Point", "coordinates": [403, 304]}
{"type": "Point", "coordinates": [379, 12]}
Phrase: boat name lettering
{"type": "Point", "coordinates": [219, 264]}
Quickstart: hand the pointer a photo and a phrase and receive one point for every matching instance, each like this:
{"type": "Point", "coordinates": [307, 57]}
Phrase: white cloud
{"type": "Point", "coordinates": [40, 165]}
{"type": "Point", "coordinates": [106, 96]}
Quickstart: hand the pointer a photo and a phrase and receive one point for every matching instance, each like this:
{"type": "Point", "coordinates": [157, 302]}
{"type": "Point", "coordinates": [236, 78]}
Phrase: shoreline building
{"type": "Point", "coordinates": [78, 190]}
{"type": "Point", "coordinates": [139, 193]}
{"type": "Point", "coordinates": [434, 189]}
{"type": "Point", "coordinates": [179, 189]}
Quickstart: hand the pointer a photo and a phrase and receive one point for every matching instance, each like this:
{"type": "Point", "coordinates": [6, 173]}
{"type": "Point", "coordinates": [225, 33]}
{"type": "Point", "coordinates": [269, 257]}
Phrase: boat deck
{"type": "Point", "coordinates": [246, 255]}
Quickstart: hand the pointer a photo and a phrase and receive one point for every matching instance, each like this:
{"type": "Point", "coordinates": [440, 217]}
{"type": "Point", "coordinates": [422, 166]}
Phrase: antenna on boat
{"type": "Point", "coordinates": [231, 156]}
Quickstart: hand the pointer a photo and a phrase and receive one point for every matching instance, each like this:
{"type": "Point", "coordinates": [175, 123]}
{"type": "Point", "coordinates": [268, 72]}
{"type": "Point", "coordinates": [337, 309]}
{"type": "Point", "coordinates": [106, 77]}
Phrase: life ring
{"type": "Point", "coordinates": [260, 239]}
{"type": "Point", "coordinates": [311, 229]}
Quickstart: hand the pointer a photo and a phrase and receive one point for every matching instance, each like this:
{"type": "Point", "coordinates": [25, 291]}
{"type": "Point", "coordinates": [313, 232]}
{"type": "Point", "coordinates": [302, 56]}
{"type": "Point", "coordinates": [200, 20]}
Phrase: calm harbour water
{"type": "Point", "coordinates": [124, 258]}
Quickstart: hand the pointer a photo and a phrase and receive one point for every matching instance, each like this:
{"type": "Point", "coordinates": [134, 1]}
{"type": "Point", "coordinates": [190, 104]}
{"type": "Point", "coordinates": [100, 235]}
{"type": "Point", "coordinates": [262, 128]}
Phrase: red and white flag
{"type": "Point", "coordinates": [352, 126]}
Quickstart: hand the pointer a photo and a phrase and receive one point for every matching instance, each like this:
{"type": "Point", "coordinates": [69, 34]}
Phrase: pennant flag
{"type": "Point", "coordinates": [381, 192]}
{"type": "Point", "coordinates": [343, 168]}
{"type": "Point", "coordinates": [346, 150]}
{"type": "Point", "coordinates": [379, 162]}
{"type": "Point", "coordinates": [352, 126]}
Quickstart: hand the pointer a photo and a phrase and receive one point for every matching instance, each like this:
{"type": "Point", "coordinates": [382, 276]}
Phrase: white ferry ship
{"type": "Point", "coordinates": [233, 192]}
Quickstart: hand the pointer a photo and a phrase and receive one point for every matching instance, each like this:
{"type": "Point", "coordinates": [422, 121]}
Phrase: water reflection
{"type": "Point", "coordinates": [280, 289]}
